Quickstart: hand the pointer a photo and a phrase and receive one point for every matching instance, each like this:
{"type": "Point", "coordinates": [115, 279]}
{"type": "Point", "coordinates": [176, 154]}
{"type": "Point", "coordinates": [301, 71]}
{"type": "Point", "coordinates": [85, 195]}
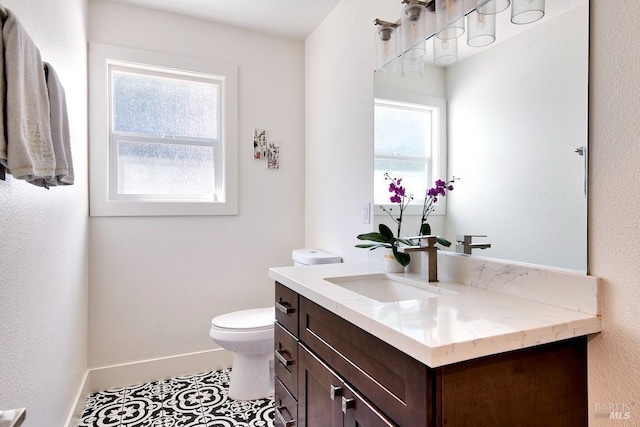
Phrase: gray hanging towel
{"type": "Point", "coordinates": [60, 137]}
{"type": "Point", "coordinates": [29, 151]}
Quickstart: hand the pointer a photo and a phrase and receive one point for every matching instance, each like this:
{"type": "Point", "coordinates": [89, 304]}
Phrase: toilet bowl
{"type": "Point", "coordinates": [249, 334]}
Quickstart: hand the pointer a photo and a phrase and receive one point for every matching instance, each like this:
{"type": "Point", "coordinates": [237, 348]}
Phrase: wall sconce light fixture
{"type": "Point", "coordinates": [481, 29]}
{"type": "Point", "coordinates": [414, 34]}
{"type": "Point", "coordinates": [445, 52]}
{"type": "Point", "coordinates": [386, 45]}
{"type": "Point", "coordinates": [449, 25]}
{"type": "Point", "coordinates": [449, 19]}
{"type": "Point", "coordinates": [491, 7]}
{"type": "Point", "coordinates": [526, 11]}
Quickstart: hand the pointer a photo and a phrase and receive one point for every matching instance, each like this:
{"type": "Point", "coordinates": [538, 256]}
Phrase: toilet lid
{"type": "Point", "coordinates": [255, 318]}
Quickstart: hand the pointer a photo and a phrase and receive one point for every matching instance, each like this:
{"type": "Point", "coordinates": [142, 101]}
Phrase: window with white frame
{"type": "Point", "coordinates": [163, 134]}
{"type": "Point", "coordinates": [409, 143]}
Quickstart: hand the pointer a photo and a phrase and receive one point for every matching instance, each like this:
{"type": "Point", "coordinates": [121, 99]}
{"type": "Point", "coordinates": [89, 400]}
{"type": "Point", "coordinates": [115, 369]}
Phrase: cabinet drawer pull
{"type": "Point", "coordinates": [284, 307]}
{"type": "Point", "coordinates": [284, 422]}
{"type": "Point", "coordinates": [348, 403]}
{"type": "Point", "coordinates": [282, 359]}
{"type": "Point", "coordinates": [335, 391]}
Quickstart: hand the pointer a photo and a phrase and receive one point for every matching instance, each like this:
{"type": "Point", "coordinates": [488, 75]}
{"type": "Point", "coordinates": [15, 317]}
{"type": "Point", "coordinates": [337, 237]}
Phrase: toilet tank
{"type": "Point", "coordinates": [313, 257]}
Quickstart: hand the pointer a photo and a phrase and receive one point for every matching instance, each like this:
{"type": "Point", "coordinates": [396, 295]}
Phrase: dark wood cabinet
{"type": "Point", "coordinates": [331, 373]}
{"type": "Point", "coordinates": [394, 382]}
{"type": "Point", "coordinates": [286, 359]}
{"type": "Point", "coordinates": [321, 393]}
{"type": "Point", "coordinates": [538, 386]}
{"type": "Point", "coordinates": [360, 412]}
{"type": "Point", "coordinates": [287, 309]}
{"type": "Point", "coordinates": [286, 406]}
{"type": "Point", "coordinates": [326, 400]}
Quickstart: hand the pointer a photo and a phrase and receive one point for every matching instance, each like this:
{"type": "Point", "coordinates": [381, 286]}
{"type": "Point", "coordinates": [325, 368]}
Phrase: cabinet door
{"type": "Point", "coordinates": [359, 413]}
{"type": "Point", "coordinates": [319, 392]}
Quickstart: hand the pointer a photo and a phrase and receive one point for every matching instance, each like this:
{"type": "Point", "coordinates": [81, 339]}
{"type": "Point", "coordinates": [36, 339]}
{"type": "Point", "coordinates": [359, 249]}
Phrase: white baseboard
{"type": "Point", "coordinates": [143, 371]}
{"type": "Point", "coordinates": [116, 376]}
{"type": "Point", "coordinates": [76, 413]}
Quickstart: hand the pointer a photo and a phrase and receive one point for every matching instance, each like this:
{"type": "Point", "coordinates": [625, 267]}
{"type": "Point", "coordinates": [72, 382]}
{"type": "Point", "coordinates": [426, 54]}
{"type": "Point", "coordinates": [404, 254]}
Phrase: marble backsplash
{"type": "Point", "coordinates": [557, 287]}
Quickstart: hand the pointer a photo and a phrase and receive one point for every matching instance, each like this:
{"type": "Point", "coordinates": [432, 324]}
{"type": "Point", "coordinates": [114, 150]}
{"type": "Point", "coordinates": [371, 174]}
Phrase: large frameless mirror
{"type": "Point", "coordinates": [516, 137]}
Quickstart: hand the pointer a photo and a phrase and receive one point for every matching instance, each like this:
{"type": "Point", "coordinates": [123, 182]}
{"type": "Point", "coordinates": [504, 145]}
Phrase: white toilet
{"type": "Point", "coordinates": [249, 334]}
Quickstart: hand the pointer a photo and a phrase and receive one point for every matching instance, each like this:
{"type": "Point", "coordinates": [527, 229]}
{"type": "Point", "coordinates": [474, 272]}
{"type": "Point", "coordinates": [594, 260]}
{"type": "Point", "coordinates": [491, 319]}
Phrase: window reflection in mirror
{"type": "Point", "coordinates": [408, 141]}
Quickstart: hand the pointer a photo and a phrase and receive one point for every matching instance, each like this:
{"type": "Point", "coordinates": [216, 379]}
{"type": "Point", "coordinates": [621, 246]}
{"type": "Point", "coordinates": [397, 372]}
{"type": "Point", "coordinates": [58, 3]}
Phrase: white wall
{"type": "Point", "coordinates": [155, 283]}
{"type": "Point", "coordinates": [339, 64]}
{"type": "Point", "coordinates": [512, 135]}
{"type": "Point", "coordinates": [614, 205]}
{"type": "Point", "coordinates": [43, 249]}
{"type": "Point", "coordinates": [340, 59]}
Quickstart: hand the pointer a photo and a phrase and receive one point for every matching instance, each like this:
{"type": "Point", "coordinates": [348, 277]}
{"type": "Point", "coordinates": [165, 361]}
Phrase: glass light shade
{"type": "Point", "coordinates": [491, 7]}
{"type": "Point", "coordinates": [414, 30]}
{"type": "Point", "coordinates": [481, 29]}
{"type": "Point", "coordinates": [449, 19]}
{"type": "Point", "coordinates": [445, 52]}
{"type": "Point", "coordinates": [526, 11]}
{"type": "Point", "coordinates": [413, 62]}
{"type": "Point", "coordinates": [386, 48]}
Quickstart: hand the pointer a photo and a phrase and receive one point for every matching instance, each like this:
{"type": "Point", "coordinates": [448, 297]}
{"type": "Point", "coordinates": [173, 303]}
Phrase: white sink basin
{"type": "Point", "coordinates": [387, 288]}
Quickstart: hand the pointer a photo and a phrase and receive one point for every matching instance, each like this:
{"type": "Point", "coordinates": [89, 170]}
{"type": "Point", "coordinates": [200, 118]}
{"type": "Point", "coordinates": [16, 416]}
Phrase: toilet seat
{"type": "Point", "coordinates": [256, 319]}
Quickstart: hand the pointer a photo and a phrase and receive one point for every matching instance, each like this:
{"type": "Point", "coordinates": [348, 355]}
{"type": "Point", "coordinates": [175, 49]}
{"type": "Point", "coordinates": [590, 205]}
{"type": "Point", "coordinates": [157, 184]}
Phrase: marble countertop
{"type": "Point", "coordinates": [462, 323]}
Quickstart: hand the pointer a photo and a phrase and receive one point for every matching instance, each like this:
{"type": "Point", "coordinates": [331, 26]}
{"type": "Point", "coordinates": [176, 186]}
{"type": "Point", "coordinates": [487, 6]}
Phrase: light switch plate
{"type": "Point", "coordinates": [366, 213]}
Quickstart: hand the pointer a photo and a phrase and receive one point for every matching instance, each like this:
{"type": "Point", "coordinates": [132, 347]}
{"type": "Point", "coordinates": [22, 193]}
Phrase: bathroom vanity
{"type": "Point", "coordinates": [460, 354]}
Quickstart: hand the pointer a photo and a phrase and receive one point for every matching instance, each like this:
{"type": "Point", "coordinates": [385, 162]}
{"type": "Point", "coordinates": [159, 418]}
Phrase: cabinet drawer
{"type": "Point", "coordinates": [358, 412]}
{"type": "Point", "coordinates": [286, 407]}
{"type": "Point", "coordinates": [287, 308]}
{"type": "Point", "coordinates": [394, 382]}
{"type": "Point", "coordinates": [286, 359]}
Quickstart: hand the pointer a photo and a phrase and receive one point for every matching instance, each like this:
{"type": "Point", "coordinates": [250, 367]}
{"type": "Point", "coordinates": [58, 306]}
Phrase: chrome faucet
{"type": "Point", "coordinates": [429, 256]}
{"type": "Point", "coordinates": [464, 245]}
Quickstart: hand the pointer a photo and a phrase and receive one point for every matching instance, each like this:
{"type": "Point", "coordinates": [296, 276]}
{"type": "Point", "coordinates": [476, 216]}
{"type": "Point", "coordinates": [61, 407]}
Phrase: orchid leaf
{"type": "Point", "coordinates": [425, 229]}
{"type": "Point", "coordinates": [386, 233]}
{"type": "Point", "coordinates": [443, 241]}
{"type": "Point", "coordinates": [407, 242]}
{"type": "Point", "coordinates": [366, 245]}
{"type": "Point", "coordinates": [372, 245]}
{"type": "Point", "coordinates": [401, 257]}
{"type": "Point", "coordinates": [373, 236]}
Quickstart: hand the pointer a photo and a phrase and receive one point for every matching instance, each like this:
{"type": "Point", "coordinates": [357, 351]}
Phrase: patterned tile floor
{"type": "Point", "coordinates": [198, 400]}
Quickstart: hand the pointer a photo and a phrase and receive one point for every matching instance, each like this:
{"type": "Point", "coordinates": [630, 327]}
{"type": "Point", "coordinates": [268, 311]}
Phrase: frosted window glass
{"type": "Point", "coordinates": [164, 106]}
{"type": "Point", "coordinates": [165, 169]}
{"type": "Point", "coordinates": [414, 175]}
{"type": "Point", "coordinates": [400, 131]}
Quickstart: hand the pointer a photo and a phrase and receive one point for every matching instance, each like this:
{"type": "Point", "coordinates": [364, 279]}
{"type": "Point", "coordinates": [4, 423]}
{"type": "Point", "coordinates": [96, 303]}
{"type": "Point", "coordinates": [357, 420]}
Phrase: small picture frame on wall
{"type": "Point", "coordinates": [259, 143]}
{"type": "Point", "coordinates": [273, 156]}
